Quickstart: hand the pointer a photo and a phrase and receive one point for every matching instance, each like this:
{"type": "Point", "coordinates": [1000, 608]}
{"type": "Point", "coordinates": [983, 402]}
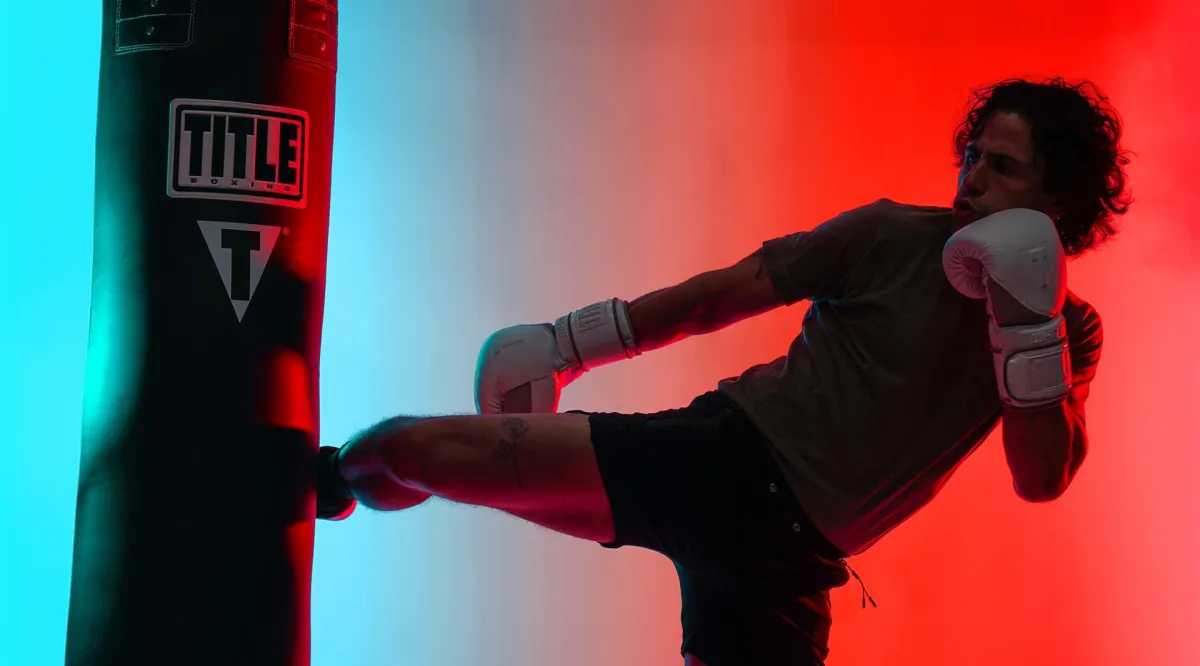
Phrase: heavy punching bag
{"type": "Point", "coordinates": [194, 527]}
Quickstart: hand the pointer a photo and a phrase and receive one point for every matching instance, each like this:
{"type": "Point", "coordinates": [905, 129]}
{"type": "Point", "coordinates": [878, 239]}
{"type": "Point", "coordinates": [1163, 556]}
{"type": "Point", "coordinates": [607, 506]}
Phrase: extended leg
{"type": "Point", "coordinates": [540, 467]}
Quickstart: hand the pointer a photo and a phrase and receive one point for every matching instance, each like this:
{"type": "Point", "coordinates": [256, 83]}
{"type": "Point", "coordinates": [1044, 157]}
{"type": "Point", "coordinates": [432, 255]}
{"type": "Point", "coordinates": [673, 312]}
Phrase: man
{"type": "Point", "coordinates": [927, 327]}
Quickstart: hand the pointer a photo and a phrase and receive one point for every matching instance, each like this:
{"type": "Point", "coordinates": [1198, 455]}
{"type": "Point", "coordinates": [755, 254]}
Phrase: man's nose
{"type": "Point", "coordinates": [972, 182]}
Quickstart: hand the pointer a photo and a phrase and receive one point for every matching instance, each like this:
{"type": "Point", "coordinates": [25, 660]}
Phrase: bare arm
{"type": "Point", "coordinates": [703, 304]}
{"type": "Point", "coordinates": [1045, 448]}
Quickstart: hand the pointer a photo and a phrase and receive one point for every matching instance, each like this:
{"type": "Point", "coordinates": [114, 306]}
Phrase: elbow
{"type": "Point", "coordinates": [1047, 465]}
{"type": "Point", "coordinates": [1041, 493]}
{"type": "Point", "coordinates": [1046, 487]}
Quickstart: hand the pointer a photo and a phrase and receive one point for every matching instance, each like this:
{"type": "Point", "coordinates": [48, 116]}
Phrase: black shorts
{"type": "Point", "coordinates": [700, 485]}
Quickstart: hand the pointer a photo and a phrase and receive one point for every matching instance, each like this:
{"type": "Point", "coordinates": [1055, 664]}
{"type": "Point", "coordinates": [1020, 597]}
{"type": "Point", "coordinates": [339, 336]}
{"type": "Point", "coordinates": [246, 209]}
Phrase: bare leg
{"type": "Point", "coordinates": [539, 467]}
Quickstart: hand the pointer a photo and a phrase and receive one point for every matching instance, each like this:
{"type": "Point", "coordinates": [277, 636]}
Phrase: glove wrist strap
{"type": "Point", "coordinates": [596, 335]}
{"type": "Point", "coordinates": [1033, 365]}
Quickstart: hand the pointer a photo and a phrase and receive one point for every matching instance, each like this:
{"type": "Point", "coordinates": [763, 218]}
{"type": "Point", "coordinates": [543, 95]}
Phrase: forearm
{"type": "Point", "coordinates": [666, 316]}
{"type": "Point", "coordinates": [703, 304]}
{"type": "Point", "coordinates": [1044, 449]}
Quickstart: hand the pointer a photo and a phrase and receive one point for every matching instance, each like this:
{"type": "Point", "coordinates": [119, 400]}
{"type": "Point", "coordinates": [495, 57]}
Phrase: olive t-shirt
{"type": "Point", "coordinates": [890, 385]}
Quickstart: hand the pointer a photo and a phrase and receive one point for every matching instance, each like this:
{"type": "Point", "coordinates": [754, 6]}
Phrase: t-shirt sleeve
{"type": "Point", "coordinates": [817, 264]}
{"type": "Point", "coordinates": [1085, 337]}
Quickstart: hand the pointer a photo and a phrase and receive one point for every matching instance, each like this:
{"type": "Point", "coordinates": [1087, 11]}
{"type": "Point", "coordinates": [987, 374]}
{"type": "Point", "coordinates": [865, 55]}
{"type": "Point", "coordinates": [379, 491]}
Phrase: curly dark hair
{"type": "Point", "coordinates": [1076, 137]}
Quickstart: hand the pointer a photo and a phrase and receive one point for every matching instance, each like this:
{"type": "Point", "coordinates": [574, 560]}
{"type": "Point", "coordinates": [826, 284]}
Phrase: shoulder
{"type": "Point", "coordinates": [915, 215]}
{"type": "Point", "coordinates": [881, 223]}
{"type": "Point", "coordinates": [889, 226]}
{"type": "Point", "coordinates": [886, 208]}
{"type": "Point", "coordinates": [890, 215]}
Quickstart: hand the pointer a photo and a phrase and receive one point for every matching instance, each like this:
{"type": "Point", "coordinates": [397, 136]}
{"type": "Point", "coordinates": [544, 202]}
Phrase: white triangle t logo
{"type": "Point", "coordinates": [241, 252]}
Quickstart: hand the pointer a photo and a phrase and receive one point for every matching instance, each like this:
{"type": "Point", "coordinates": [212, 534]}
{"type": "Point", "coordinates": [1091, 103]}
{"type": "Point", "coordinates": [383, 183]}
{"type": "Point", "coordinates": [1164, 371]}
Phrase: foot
{"type": "Point", "coordinates": [334, 501]}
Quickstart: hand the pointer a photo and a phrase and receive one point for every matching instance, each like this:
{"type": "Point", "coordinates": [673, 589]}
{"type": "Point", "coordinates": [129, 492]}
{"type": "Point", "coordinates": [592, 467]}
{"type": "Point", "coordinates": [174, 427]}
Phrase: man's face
{"type": "Point", "coordinates": [999, 172]}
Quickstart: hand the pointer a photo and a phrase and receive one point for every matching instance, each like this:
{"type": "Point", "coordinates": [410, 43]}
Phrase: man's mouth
{"type": "Point", "coordinates": [964, 212]}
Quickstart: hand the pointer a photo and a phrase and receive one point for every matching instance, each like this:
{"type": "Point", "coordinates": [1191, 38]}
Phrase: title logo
{"type": "Point", "coordinates": [238, 152]}
{"type": "Point", "coordinates": [241, 253]}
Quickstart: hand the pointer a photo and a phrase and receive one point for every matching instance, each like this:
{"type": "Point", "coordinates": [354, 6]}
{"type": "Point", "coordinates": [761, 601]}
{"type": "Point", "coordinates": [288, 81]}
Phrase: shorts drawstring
{"type": "Point", "coordinates": [866, 597]}
{"type": "Point", "coordinates": [797, 527]}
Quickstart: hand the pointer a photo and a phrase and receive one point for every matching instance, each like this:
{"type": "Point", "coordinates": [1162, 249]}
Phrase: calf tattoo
{"type": "Point", "coordinates": [506, 449]}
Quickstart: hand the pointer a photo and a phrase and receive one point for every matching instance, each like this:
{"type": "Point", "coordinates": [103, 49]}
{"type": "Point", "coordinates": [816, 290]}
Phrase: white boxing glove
{"type": "Point", "coordinates": [543, 358]}
{"type": "Point", "coordinates": [1015, 260]}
